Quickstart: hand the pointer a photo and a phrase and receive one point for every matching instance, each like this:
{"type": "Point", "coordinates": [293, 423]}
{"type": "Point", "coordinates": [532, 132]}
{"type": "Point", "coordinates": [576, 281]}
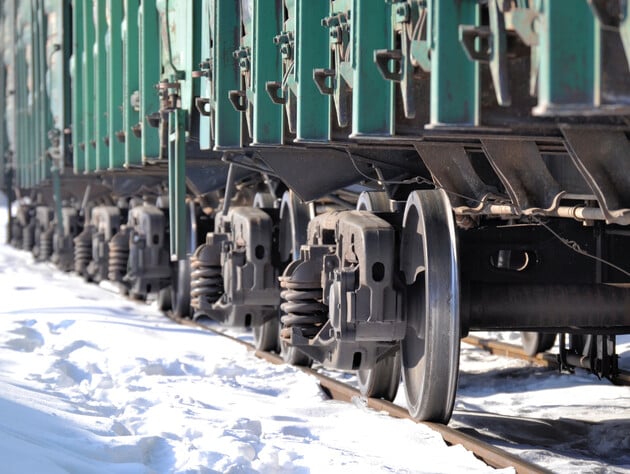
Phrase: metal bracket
{"type": "Point", "coordinates": [603, 159]}
{"type": "Point", "coordinates": [200, 104]}
{"type": "Point", "coordinates": [320, 76]}
{"type": "Point", "coordinates": [238, 99]}
{"type": "Point", "coordinates": [272, 89]}
{"type": "Point", "coordinates": [495, 37]}
{"type": "Point", "coordinates": [527, 180]}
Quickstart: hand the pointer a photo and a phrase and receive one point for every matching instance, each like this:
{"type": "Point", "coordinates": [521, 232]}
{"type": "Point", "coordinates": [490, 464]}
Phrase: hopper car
{"type": "Point", "coordinates": [361, 182]}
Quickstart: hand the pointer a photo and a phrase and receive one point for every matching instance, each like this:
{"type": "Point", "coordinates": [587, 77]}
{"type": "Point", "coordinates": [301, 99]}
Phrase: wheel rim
{"type": "Point", "coordinates": [430, 349]}
{"type": "Point", "coordinates": [266, 335]}
{"type": "Point", "coordinates": [382, 380]}
{"type": "Point", "coordinates": [180, 287]}
{"type": "Point", "coordinates": [535, 342]}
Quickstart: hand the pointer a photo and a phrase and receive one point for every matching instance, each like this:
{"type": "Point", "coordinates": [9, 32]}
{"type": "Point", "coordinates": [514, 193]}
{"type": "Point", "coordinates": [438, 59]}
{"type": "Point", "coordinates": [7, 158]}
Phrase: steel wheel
{"type": "Point", "coordinates": [382, 380]}
{"type": "Point", "coordinates": [180, 285]}
{"type": "Point", "coordinates": [266, 335]}
{"type": "Point", "coordinates": [535, 342]}
{"type": "Point", "coordinates": [430, 349]}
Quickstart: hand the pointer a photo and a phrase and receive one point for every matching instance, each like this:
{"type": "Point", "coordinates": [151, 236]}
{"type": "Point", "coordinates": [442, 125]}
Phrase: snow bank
{"type": "Point", "coordinates": [93, 383]}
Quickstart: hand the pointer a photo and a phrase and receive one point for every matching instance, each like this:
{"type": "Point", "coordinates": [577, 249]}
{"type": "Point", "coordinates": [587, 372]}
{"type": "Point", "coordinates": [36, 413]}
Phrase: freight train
{"type": "Point", "coordinates": [361, 182]}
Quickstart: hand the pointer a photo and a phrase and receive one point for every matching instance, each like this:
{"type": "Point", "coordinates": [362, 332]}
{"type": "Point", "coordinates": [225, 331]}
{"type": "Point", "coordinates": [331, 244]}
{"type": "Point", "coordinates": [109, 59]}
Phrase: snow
{"type": "Point", "coordinates": [91, 382]}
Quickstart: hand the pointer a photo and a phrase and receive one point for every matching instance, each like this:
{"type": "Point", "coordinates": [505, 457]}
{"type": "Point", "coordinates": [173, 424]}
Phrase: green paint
{"type": "Point", "coordinates": [568, 55]}
{"type": "Point", "coordinates": [100, 84]}
{"type": "Point", "coordinates": [226, 76]}
{"type": "Point", "coordinates": [116, 150]}
{"type": "Point", "coordinates": [76, 72]}
{"type": "Point", "coordinates": [372, 96]}
{"type": "Point", "coordinates": [312, 52]}
{"type": "Point", "coordinates": [88, 88]}
{"type": "Point", "coordinates": [149, 77]}
{"type": "Point", "coordinates": [131, 84]}
{"type": "Point", "coordinates": [266, 67]}
{"type": "Point", "coordinates": [454, 90]}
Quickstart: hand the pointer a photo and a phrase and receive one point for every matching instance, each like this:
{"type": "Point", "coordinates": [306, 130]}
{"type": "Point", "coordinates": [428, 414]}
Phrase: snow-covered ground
{"type": "Point", "coordinates": [91, 382]}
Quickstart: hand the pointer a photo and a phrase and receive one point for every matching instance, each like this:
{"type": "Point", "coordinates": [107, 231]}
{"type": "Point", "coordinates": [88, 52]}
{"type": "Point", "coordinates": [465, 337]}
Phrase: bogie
{"type": "Point", "coordinates": [360, 182]}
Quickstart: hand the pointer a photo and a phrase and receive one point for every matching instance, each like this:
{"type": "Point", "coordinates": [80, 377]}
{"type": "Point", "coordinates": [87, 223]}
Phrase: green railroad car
{"type": "Point", "coordinates": [361, 182]}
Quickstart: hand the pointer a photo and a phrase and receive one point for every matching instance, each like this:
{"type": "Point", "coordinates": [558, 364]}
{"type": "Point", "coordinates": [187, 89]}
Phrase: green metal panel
{"type": "Point", "coordinates": [9, 60]}
{"type": "Point", "coordinates": [226, 77]}
{"type": "Point", "coordinates": [30, 145]}
{"type": "Point", "coordinates": [58, 51]}
{"type": "Point", "coordinates": [149, 77]}
{"type": "Point", "coordinates": [372, 96]}
{"type": "Point", "coordinates": [116, 155]}
{"type": "Point", "coordinates": [131, 117]}
{"type": "Point", "coordinates": [76, 72]}
{"type": "Point", "coordinates": [181, 45]}
{"type": "Point", "coordinates": [19, 113]}
{"type": "Point", "coordinates": [312, 51]}
{"type": "Point", "coordinates": [44, 108]}
{"type": "Point", "coordinates": [454, 88]}
{"type": "Point", "coordinates": [88, 89]}
{"type": "Point", "coordinates": [100, 84]}
{"type": "Point", "coordinates": [266, 67]}
{"type": "Point", "coordinates": [36, 104]}
{"type": "Point", "coordinates": [177, 183]}
{"type": "Point", "coordinates": [568, 54]}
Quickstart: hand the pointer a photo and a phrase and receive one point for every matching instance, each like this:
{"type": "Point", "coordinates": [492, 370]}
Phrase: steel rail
{"type": "Point", "coordinates": [491, 455]}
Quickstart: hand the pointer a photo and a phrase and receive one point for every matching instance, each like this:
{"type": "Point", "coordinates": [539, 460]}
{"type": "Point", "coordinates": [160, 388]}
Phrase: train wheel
{"type": "Point", "coordinates": [430, 349]}
{"type": "Point", "coordinates": [266, 335]}
{"type": "Point", "coordinates": [180, 284]}
{"type": "Point", "coordinates": [535, 342]}
{"type": "Point", "coordinates": [164, 302]}
{"type": "Point", "coordinates": [294, 218]}
{"type": "Point", "coordinates": [383, 379]}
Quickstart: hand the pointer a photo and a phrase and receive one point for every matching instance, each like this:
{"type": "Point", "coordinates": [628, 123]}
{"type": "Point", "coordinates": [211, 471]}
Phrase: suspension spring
{"type": "Point", "coordinates": [302, 307]}
{"type": "Point", "coordinates": [45, 245]}
{"type": "Point", "coordinates": [82, 251]}
{"type": "Point", "coordinates": [206, 282]}
{"type": "Point", "coordinates": [118, 256]}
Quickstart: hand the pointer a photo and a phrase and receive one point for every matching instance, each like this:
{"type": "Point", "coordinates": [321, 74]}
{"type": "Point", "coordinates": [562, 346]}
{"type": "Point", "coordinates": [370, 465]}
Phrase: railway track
{"type": "Point", "coordinates": [516, 352]}
{"type": "Point", "coordinates": [336, 390]}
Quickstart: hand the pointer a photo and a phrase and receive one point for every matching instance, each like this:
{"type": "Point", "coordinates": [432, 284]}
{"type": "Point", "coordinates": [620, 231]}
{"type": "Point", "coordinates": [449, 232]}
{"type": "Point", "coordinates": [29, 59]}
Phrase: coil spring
{"type": "Point", "coordinates": [118, 257]}
{"type": "Point", "coordinates": [302, 307]}
{"type": "Point", "coordinates": [28, 236]}
{"type": "Point", "coordinates": [206, 282]}
{"type": "Point", "coordinates": [45, 245]}
{"type": "Point", "coordinates": [82, 251]}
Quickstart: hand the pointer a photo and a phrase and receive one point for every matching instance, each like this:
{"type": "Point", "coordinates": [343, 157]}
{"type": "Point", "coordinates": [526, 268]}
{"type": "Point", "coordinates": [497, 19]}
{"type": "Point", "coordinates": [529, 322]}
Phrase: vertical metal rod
{"type": "Point", "coordinates": [229, 190]}
{"type": "Point", "coordinates": [177, 184]}
{"type": "Point", "coordinates": [56, 181]}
